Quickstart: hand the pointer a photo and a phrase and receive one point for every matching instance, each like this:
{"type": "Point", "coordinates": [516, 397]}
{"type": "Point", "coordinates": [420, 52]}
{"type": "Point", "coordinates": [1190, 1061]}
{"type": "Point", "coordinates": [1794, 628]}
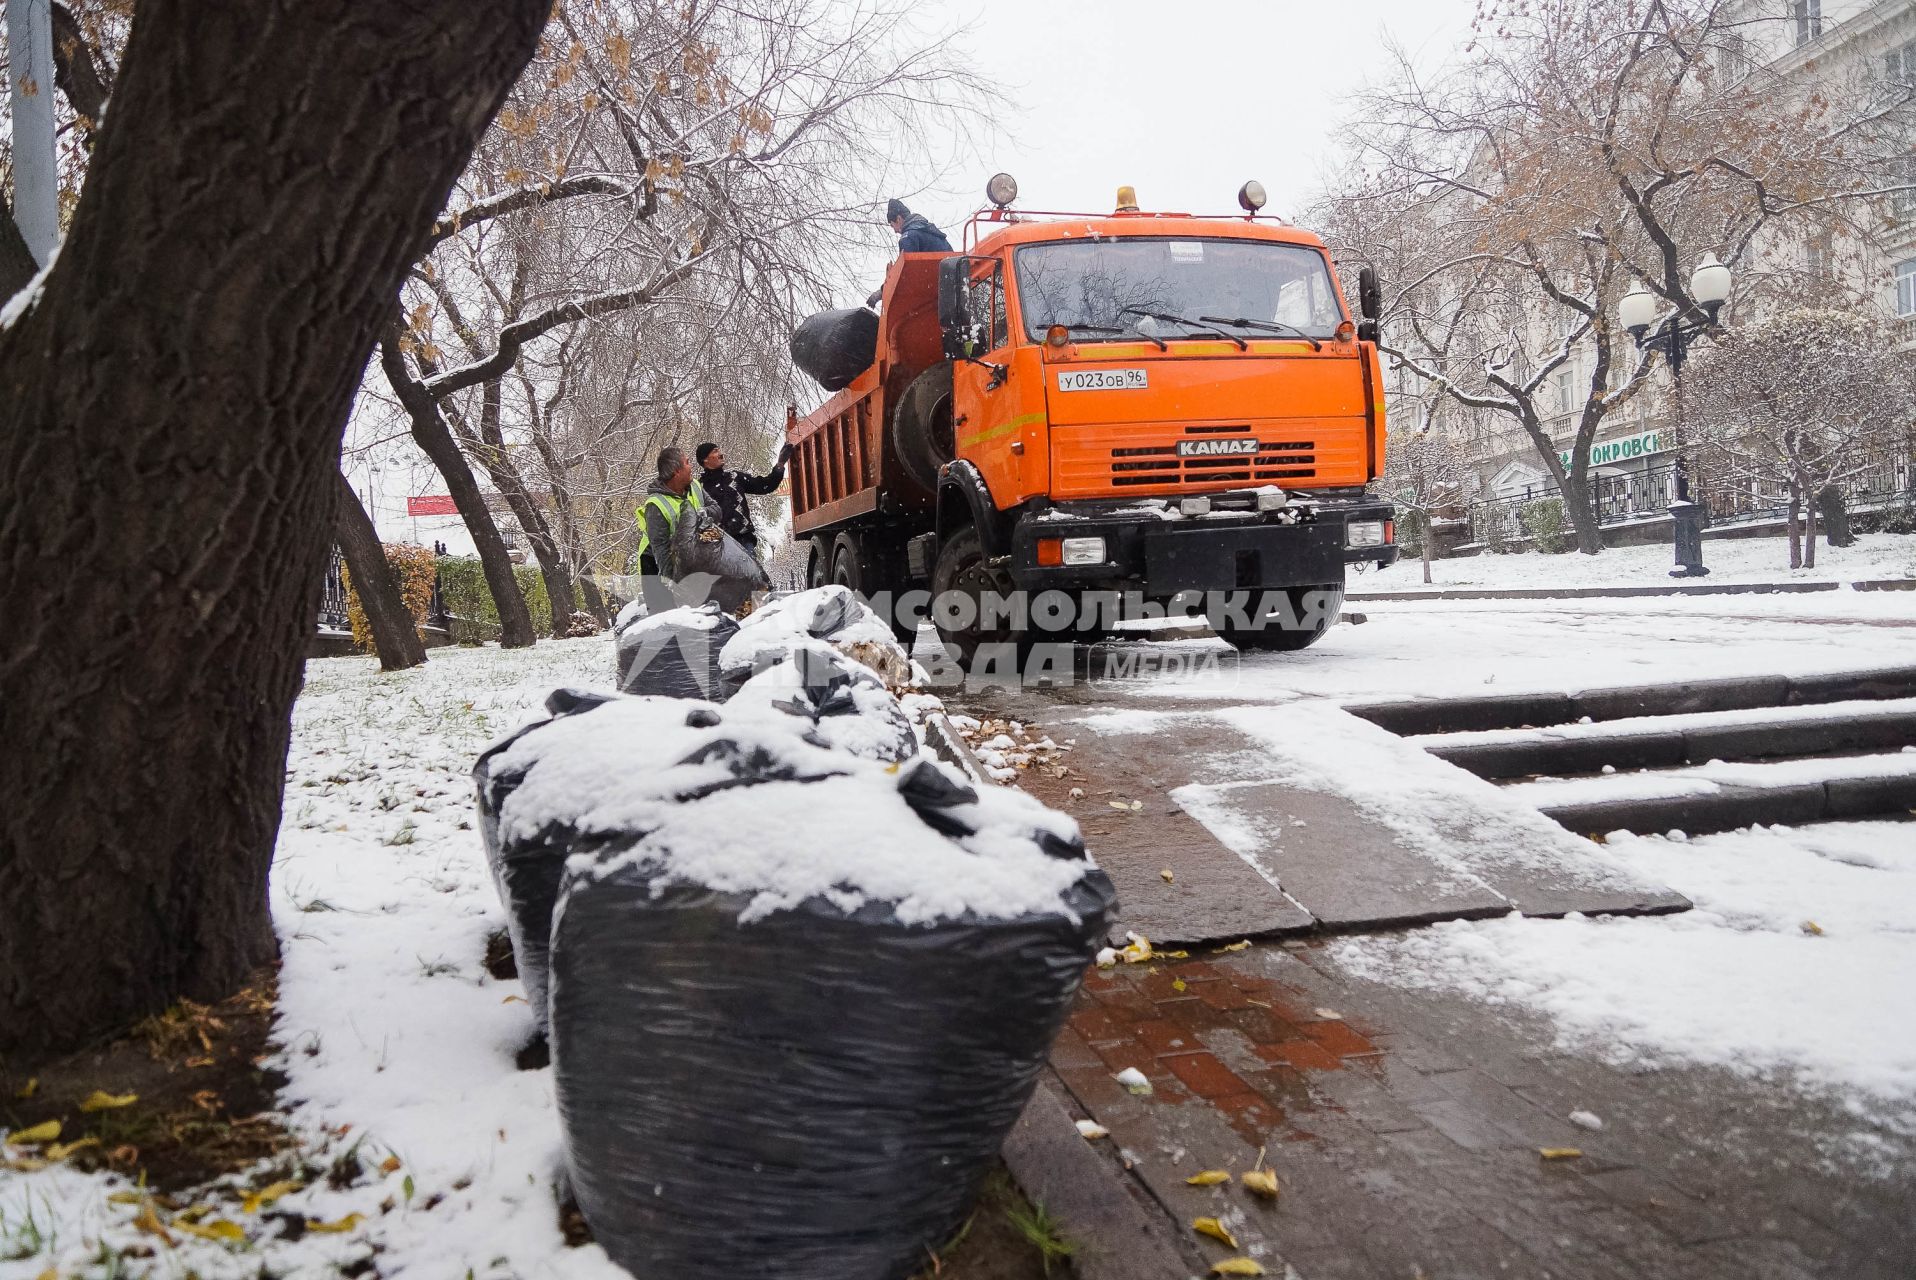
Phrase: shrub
{"type": "Point", "coordinates": [1492, 531]}
{"type": "Point", "coordinates": [1543, 521]}
{"type": "Point", "coordinates": [462, 585]}
{"type": "Point", "coordinates": [413, 567]}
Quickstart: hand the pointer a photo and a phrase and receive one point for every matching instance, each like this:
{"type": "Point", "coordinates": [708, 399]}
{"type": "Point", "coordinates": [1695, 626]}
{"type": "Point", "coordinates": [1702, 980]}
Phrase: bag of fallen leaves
{"type": "Point", "coordinates": [712, 564]}
{"type": "Point", "coordinates": [797, 997]}
{"type": "Point", "coordinates": [676, 654]}
{"type": "Point", "coordinates": [832, 614]}
{"type": "Point", "coordinates": [842, 703]}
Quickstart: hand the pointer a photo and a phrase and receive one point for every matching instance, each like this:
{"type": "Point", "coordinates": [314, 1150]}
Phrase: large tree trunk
{"type": "Point", "coordinates": [395, 634]}
{"type": "Point", "coordinates": [170, 419]}
{"type": "Point", "coordinates": [430, 432]}
{"type": "Point", "coordinates": [17, 267]}
{"type": "Point", "coordinates": [1796, 534]}
{"type": "Point", "coordinates": [490, 449]}
{"type": "Point", "coordinates": [1809, 524]}
{"type": "Point", "coordinates": [1581, 512]}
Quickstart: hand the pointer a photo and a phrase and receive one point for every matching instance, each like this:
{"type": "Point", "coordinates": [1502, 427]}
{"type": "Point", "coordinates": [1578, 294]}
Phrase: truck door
{"type": "Point", "coordinates": [998, 411]}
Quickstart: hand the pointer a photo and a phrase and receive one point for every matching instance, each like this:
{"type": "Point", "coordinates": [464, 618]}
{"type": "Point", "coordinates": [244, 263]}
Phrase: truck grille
{"type": "Point", "coordinates": [1160, 464]}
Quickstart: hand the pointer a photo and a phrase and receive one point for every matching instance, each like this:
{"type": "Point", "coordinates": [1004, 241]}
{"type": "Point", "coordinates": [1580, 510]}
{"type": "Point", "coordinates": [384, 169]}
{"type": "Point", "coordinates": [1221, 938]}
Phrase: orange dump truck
{"type": "Point", "coordinates": [1130, 410]}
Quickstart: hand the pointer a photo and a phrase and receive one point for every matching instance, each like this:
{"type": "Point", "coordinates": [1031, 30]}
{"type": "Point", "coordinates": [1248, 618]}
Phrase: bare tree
{"type": "Point", "coordinates": [1580, 147]}
{"type": "Point", "coordinates": [1800, 400]}
{"type": "Point", "coordinates": [171, 402]}
{"type": "Point", "coordinates": [1425, 474]}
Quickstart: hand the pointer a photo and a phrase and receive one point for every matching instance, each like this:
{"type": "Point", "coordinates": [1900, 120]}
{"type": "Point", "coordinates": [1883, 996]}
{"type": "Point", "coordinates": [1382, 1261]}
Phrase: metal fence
{"type": "Point", "coordinates": [1883, 480]}
{"type": "Point", "coordinates": [333, 615]}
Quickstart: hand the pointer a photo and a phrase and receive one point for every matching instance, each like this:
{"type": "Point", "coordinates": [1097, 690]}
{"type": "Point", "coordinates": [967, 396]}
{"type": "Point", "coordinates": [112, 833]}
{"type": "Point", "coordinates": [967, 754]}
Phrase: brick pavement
{"type": "Point", "coordinates": [1405, 1130]}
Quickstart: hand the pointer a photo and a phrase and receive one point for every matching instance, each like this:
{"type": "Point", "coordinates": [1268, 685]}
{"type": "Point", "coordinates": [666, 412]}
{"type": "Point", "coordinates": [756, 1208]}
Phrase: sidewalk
{"type": "Point", "coordinates": [1435, 592]}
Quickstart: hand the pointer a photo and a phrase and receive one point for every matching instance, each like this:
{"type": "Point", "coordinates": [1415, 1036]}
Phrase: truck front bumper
{"type": "Point", "coordinates": [1148, 547]}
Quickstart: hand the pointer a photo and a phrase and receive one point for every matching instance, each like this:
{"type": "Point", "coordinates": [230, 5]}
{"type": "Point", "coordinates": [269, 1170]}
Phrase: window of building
{"type": "Point", "coordinates": [1899, 64]}
{"type": "Point", "coordinates": [1733, 57]}
{"type": "Point", "coordinates": [1808, 17]}
{"type": "Point", "coordinates": [1903, 203]}
{"type": "Point", "coordinates": [1906, 288]}
{"type": "Point", "coordinates": [1817, 256]}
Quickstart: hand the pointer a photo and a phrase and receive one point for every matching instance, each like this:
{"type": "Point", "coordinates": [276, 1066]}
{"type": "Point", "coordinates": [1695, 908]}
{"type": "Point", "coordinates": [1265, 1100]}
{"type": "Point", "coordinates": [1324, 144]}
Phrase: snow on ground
{"type": "Point", "coordinates": [1794, 965]}
{"type": "Point", "coordinates": [1874, 555]}
{"type": "Point", "coordinates": [388, 1020]}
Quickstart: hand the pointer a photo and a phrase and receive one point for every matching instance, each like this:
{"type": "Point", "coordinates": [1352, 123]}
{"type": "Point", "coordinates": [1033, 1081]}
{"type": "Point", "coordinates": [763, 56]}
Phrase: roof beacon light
{"type": "Point", "coordinates": [1002, 189]}
{"type": "Point", "coordinates": [1127, 199]}
{"type": "Point", "coordinates": [1251, 197]}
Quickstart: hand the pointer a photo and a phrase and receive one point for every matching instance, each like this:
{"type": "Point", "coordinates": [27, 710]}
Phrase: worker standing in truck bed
{"type": "Point", "coordinates": [916, 234]}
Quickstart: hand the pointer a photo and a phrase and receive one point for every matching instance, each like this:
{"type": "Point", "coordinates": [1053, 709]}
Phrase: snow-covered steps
{"type": "Point", "coordinates": [1724, 797]}
{"type": "Point", "coordinates": [1739, 693]}
{"type": "Point", "coordinates": [1655, 742]}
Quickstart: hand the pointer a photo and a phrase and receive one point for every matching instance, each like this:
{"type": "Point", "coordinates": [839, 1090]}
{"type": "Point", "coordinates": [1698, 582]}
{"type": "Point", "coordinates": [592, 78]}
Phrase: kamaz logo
{"type": "Point", "coordinates": [1229, 448]}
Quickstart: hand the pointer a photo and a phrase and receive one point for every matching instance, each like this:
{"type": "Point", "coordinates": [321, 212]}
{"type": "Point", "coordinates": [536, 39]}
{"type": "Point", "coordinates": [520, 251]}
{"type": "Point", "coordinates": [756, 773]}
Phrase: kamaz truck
{"type": "Point", "coordinates": [1084, 413]}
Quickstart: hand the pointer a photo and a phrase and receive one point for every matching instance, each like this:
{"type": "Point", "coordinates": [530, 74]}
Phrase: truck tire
{"type": "Point", "coordinates": [818, 566]}
{"type": "Point", "coordinates": [963, 569]}
{"type": "Point", "coordinates": [861, 564]}
{"type": "Point", "coordinates": [1279, 639]}
{"type": "Point", "coordinates": [921, 426]}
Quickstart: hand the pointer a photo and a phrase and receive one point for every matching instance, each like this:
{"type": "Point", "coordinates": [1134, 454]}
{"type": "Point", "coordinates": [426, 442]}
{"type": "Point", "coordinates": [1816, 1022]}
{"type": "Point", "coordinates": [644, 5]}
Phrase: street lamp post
{"type": "Point", "coordinates": [1672, 335]}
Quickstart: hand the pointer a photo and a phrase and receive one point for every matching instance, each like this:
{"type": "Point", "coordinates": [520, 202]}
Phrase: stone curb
{"type": "Point", "coordinates": [1594, 593]}
{"type": "Point", "coordinates": [1833, 799]}
{"type": "Point", "coordinates": [942, 736]}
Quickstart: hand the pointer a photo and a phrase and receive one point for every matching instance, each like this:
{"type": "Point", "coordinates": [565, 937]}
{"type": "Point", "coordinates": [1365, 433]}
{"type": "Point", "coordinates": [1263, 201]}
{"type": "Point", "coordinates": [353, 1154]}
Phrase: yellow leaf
{"type": "Point", "coordinates": [1174, 955]}
{"type": "Point", "coordinates": [254, 1201]}
{"type": "Point", "coordinates": [1119, 804]}
{"type": "Point", "coordinates": [389, 1165]}
{"type": "Point", "coordinates": [1178, 984]}
{"type": "Point", "coordinates": [25, 1165]}
{"type": "Point", "coordinates": [1559, 1153]}
{"type": "Point", "coordinates": [1213, 1228]}
{"type": "Point", "coordinates": [1238, 1267]}
{"type": "Point", "coordinates": [514, 1000]}
{"type": "Point", "coordinates": [1812, 928]}
{"type": "Point", "coordinates": [1262, 1181]}
{"type": "Point", "coordinates": [149, 1222]}
{"type": "Point", "coordinates": [61, 1150]}
{"type": "Point", "coordinates": [51, 1273]}
{"type": "Point", "coordinates": [28, 1089]}
{"type": "Point", "coordinates": [126, 1197]}
{"type": "Point", "coordinates": [219, 1230]}
{"type": "Point", "coordinates": [1209, 1178]}
{"type": "Point", "coordinates": [33, 1137]}
{"type": "Point", "coordinates": [348, 1223]}
{"type": "Point", "coordinates": [99, 1100]}
{"type": "Point", "coordinates": [1166, 876]}
{"type": "Point", "coordinates": [1235, 946]}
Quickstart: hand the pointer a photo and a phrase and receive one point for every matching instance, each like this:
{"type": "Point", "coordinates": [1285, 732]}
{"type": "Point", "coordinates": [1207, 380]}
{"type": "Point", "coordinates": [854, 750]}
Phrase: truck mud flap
{"type": "Point", "coordinates": [1230, 559]}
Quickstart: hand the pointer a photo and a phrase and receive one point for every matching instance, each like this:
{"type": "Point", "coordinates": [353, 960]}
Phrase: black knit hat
{"type": "Point", "coordinates": [704, 451]}
{"type": "Point", "coordinates": [895, 209]}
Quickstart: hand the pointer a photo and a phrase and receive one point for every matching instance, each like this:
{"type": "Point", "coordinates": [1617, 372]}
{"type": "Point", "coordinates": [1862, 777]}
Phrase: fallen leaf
{"type": "Point", "coordinates": [200, 1062]}
{"type": "Point", "coordinates": [61, 1150]}
{"type": "Point", "coordinates": [1167, 877]}
{"type": "Point", "coordinates": [1213, 1228]}
{"type": "Point", "coordinates": [1238, 1267]}
{"type": "Point", "coordinates": [1119, 804]}
{"type": "Point", "coordinates": [1135, 1081]}
{"type": "Point", "coordinates": [514, 1000]}
{"type": "Point", "coordinates": [389, 1165]}
{"type": "Point", "coordinates": [1262, 1181]}
{"type": "Point", "coordinates": [126, 1197]}
{"type": "Point", "coordinates": [1209, 1178]}
{"type": "Point", "coordinates": [1091, 1130]}
{"type": "Point", "coordinates": [149, 1222]}
{"type": "Point", "coordinates": [51, 1273]}
{"type": "Point", "coordinates": [1174, 955]}
{"type": "Point", "coordinates": [1235, 946]}
{"type": "Point", "coordinates": [1329, 1015]}
{"type": "Point", "coordinates": [33, 1137]}
{"type": "Point", "coordinates": [219, 1229]}
{"type": "Point", "coordinates": [1136, 805]}
{"type": "Point", "coordinates": [28, 1089]}
{"type": "Point", "coordinates": [348, 1223]}
{"type": "Point", "coordinates": [25, 1164]}
{"type": "Point", "coordinates": [1559, 1153]}
{"type": "Point", "coordinates": [254, 1201]}
{"type": "Point", "coordinates": [1812, 928]}
{"type": "Point", "coordinates": [99, 1100]}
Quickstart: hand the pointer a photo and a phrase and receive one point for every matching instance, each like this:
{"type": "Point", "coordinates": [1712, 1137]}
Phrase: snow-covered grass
{"type": "Point", "coordinates": [1874, 555]}
{"type": "Point", "coordinates": [1794, 965]}
{"type": "Point", "coordinates": [394, 1037]}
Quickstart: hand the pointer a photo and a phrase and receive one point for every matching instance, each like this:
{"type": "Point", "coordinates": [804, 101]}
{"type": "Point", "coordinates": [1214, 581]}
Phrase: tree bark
{"type": "Point", "coordinates": [75, 71]}
{"type": "Point", "coordinates": [1809, 526]}
{"type": "Point", "coordinates": [1581, 512]}
{"type": "Point", "coordinates": [430, 432]}
{"type": "Point", "coordinates": [170, 420]}
{"type": "Point", "coordinates": [17, 267]}
{"type": "Point", "coordinates": [1796, 534]}
{"type": "Point", "coordinates": [490, 449]}
{"type": "Point", "coordinates": [594, 602]}
{"type": "Point", "coordinates": [395, 633]}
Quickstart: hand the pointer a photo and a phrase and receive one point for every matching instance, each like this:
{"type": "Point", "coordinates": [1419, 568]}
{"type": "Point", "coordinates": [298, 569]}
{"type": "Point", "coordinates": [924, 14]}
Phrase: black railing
{"type": "Point", "coordinates": [332, 600]}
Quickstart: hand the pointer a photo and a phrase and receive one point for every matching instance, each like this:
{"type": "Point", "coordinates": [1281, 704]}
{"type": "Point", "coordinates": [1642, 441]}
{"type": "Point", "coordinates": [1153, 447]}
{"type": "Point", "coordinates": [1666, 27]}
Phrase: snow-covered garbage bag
{"type": "Point", "coordinates": [844, 703]}
{"type": "Point", "coordinates": [676, 654]}
{"type": "Point", "coordinates": [830, 613]}
{"type": "Point", "coordinates": [797, 997]}
{"type": "Point", "coordinates": [712, 564]}
{"type": "Point", "coordinates": [633, 611]}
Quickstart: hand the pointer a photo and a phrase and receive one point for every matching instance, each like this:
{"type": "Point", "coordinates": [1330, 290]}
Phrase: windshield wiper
{"type": "Point", "coordinates": [1103, 328]}
{"type": "Point", "coordinates": [1269, 326]}
{"type": "Point", "coordinates": [1188, 323]}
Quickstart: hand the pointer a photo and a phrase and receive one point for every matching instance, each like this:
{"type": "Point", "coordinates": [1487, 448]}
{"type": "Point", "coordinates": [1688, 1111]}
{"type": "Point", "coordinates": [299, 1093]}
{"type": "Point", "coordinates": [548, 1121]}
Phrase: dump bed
{"type": "Point", "coordinates": [844, 464]}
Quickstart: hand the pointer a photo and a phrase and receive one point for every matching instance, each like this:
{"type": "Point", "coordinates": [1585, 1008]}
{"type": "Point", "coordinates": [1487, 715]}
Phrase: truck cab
{"type": "Point", "coordinates": [1126, 412]}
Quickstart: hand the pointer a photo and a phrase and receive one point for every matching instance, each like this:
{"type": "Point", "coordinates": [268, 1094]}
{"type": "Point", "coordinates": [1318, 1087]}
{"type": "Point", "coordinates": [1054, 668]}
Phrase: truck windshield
{"type": "Point", "coordinates": [1110, 284]}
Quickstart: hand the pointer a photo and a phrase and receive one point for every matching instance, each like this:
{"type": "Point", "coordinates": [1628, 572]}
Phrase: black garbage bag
{"type": "Point", "coordinates": [676, 654]}
{"type": "Point", "coordinates": [845, 703]}
{"type": "Point", "coordinates": [830, 613]}
{"type": "Point", "coordinates": [797, 998]}
{"type": "Point", "coordinates": [834, 347]}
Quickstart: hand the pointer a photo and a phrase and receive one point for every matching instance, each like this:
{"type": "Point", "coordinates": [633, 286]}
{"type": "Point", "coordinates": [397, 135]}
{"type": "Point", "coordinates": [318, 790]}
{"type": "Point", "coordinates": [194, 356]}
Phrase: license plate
{"type": "Point", "coordinates": [1229, 447]}
{"type": "Point", "coordinates": [1102, 380]}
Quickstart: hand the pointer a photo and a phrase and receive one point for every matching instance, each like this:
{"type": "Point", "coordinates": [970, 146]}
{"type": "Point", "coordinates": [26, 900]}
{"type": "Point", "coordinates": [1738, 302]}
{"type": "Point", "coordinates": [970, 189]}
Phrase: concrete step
{"type": "Point", "coordinates": [1727, 797]}
{"type": "Point", "coordinates": [1737, 693]}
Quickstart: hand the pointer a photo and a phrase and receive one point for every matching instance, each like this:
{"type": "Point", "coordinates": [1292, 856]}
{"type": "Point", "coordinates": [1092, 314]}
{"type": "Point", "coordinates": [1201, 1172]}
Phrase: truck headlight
{"type": "Point", "coordinates": [1084, 551]}
{"type": "Point", "coordinates": [1364, 533]}
{"type": "Point", "coordinates": [1194, 506]}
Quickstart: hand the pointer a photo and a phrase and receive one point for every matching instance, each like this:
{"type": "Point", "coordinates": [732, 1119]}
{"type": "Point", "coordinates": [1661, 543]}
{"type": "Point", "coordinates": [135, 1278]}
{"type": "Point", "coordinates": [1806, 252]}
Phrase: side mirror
{"type": "Point", "coordinates": [954, 306]}
{"type": "Point", "coordinates": [1370, 303]}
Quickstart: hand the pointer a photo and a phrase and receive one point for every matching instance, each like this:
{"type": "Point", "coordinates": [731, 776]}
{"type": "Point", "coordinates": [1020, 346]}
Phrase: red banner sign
{"type": "Point", "coordinates": [431, 504]}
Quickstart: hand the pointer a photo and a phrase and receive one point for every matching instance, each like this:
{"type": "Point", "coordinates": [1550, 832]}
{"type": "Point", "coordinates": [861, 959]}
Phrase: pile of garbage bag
{"type": "Point", "coordinates": [676, 654]}
{"type": "Point", "coordinates": [833, 614]}
{"type": "Point", "coordinates": [797, 995]}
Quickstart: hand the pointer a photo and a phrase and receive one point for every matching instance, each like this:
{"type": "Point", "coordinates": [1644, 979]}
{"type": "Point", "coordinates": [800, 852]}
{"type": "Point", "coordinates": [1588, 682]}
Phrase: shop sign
{"type": "Point", "coordinates": [1605, 452]}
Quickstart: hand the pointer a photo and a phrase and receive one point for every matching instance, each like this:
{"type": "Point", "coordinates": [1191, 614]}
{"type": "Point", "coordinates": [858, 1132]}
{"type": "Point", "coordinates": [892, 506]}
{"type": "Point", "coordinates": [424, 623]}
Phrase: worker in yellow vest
{"type": "Point", "coordinates": [668, 498]}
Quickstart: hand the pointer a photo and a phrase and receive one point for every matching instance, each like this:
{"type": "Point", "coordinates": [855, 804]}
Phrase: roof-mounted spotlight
{"type": "Point", "coordinates": [1002, 189]}
{"type": "Point", "coordinates": [1250, 196]}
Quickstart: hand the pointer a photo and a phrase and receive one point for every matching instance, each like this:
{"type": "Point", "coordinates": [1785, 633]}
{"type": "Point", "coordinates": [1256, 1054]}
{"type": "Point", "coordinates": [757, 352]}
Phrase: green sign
{"type": "Point", "coordinates": [1623, 449]}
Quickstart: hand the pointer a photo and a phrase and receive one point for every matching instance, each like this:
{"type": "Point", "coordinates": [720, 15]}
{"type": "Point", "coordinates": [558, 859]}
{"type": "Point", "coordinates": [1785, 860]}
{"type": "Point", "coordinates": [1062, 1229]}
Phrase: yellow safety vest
{"type": "Point", "coordinates": [669, 507]}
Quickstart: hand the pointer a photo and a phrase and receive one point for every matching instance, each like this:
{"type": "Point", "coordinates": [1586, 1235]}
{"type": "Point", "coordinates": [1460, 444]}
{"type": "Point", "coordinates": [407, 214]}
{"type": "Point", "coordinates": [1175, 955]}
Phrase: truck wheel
{"type": "Point", "coordinates": [962, 570]}
{"type": "Point", "coordinates": [921, 426]}
{"type": "Point", "coordinates": [818, 567]}
{"type": "Point", "coordinates": [848, 569]}
{"type": "Point", "coordinates": [1272, 637]}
